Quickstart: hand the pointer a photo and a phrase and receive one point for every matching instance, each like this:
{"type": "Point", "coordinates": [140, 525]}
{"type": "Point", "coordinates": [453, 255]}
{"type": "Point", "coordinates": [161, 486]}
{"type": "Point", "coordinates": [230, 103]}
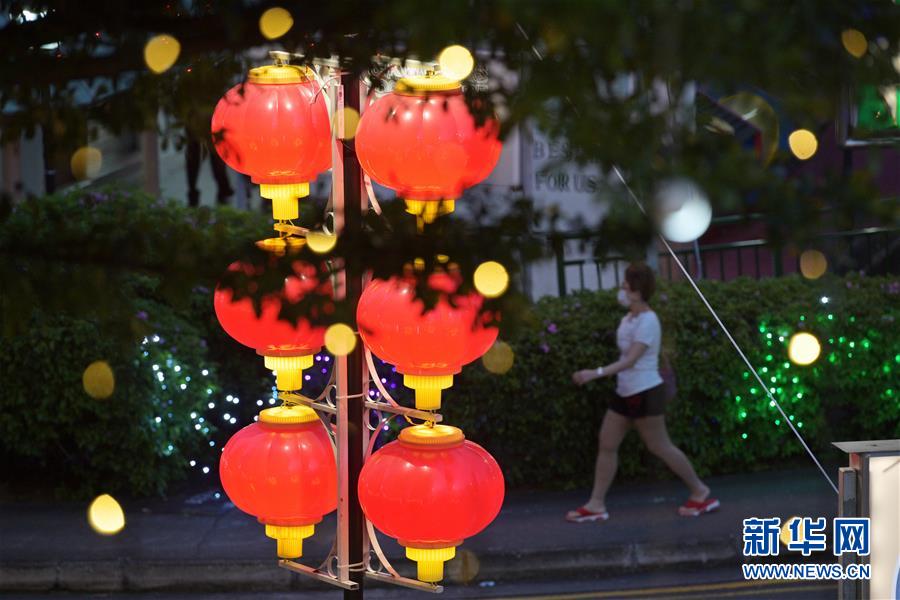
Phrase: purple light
{"type": "Point", "coordinates": [327, 358]}
{"type": "Point", "coordinates": [324, 370]}
{"type": "Point", "coordinates": [306, 377]}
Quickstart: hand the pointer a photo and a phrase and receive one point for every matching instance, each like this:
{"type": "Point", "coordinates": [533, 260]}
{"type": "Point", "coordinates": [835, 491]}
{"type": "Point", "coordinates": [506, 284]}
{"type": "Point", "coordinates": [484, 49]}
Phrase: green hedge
{"type": "Point", "coordinates": [543, 429]}
{"type": "Point", "coordinates": [87, 277]}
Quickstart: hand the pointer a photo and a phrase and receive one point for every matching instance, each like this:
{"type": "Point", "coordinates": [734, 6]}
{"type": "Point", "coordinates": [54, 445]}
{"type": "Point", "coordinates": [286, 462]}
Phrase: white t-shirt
{"type": "Point", "coordinates": [643, 328]}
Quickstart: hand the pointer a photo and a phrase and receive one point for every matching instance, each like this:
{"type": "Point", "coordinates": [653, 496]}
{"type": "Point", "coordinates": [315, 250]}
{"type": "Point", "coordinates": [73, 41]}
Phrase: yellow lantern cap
{"type": "Point", "coordinates": [435, 436]}
{"type": "Point", "coordinates": [420, 85]}
{"type": "Point", "coordinates": [288, 415]}
{"type": "Point", "coordinates": [280, 74]}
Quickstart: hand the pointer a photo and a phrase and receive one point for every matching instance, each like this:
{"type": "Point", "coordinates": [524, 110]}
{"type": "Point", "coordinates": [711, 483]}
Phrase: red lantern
{"type": "Point", "coordinates": [286, 348]}
{"type": "Point", "coordinates": [282, 470]}
{"type": "Point", "coordinates": [275, 128]}
{"type": "Point", "coordinates": [421, 141]}
{"type": "Point", "coordinates": [431, 489]}
{"type": "Point", "coordinates": [428, 348]}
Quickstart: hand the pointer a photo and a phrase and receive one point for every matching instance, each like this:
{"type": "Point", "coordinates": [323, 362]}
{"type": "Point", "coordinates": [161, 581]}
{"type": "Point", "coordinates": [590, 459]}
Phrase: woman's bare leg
{"type": "Point", "coordinates": [612, 432]}
{"type": "Point", "coordinates": [656, 437]}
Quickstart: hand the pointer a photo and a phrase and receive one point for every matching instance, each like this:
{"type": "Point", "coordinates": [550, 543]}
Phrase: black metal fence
{"type": "Point", "coordinates": [873, 250]}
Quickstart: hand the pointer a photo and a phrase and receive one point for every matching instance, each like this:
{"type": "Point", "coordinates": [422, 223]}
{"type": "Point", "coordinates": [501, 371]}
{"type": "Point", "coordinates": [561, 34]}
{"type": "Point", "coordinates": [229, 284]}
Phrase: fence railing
{"type": "Point", "coordinates": [874, 250]}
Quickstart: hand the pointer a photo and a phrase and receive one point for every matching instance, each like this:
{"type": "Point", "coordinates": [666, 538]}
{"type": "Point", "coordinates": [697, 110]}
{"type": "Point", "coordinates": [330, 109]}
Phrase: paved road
{"type": "Point", "coordinates": [654, 585]}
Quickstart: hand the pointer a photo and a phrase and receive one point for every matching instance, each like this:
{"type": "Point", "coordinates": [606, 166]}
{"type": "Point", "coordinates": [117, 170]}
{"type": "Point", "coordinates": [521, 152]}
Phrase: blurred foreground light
{"type": "Point", "coordinates": [161, 52]}
{"type": "Point", "coordinates": [803, 143]}
{"type": "Point", "coordinates": [813, 264]}
{"type": "Point", "coordinates": [105, 515]}
{"type": "Point", "coordinates": [464, 567]}
{"type": "Point", "coordinates": [275, 22]}
{"type": "Point", "coordinates": [340, 339]}
{"type": "Point", "coordinates": [499, 358]}
{"type": "Point", "coordinates": [320, 242]}
{"type": "Point", "coordinates": [349, 123]}
{"type": "Point", "coordinates": [86, 162]}
{"type": "Point", "coordinates": [491, 279]}
{"type": "Point", "coordinates": [754, 109]}
{"type": "Point", "coordinates": [683, 212]}
{"type": "Point", "coordinates": [854, 42]}
{"type": "Point", "coordinates": [785, 534]}
{"type": "Point", "coordinates": [456, 62]}
{"type": "Point", "coordinates": [804, 348]}
{"type": "Point", "coordinates": [98, 380]}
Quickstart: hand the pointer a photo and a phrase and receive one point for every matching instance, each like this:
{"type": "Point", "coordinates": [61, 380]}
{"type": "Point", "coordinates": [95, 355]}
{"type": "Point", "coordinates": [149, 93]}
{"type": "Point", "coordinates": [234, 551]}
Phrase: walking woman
{"type": "Point", "coordinates": [639, 401]}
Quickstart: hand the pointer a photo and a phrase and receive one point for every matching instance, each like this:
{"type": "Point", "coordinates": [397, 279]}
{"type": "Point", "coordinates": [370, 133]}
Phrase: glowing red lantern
{"type": "Point", "coordinates": [431, 489]}
{"type": "Point", "coordinates": [282, 470]}
{"type": "Point", "coordinates": [428, 348]}
{"type": "Point", "coordinates": [421, 141]}
{"type": "Point", "coordinates": [275, 128]}
{"type": "Point", "coordinates": [286, 348]}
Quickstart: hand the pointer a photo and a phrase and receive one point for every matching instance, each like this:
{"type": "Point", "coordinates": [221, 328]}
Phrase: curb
{"type": "Point", "coordinates": [256, 575]}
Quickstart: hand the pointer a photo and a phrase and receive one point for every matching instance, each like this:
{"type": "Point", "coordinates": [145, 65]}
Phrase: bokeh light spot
{"type": "Point", "coordinates": [499, 358]}
{"type": "Point", "coordinates": [320, 242]}
{"type": "Point", "coordinates": [105, 516]}
{"type": "Point", "coordinates": [785, 533]}
{"type": "Point", "coordinates": [161, 52]}
{"type": "Point", "coordinates": [804, 348]}
{"type": "Point", "coordinates": [491, 279]}
{"type": "Point", "coordinates": [456, 62]}
{"type": "Point", "coordinates": [803, 143]}
{"type": "Point", "coordinates": [813, 264]}
{"type": "Point", "coordinates": [854, 42]}
{"type": "Point", "coordinates": [98, 380]}
{"type": "Point", "coordinates": [350, 118]}
{"type": "Point", "coordinates": [86, 162]}
{"type": "Point", "coordinates": [464, 567]}
{"type": "Point", "coordinates": [340, 339]}
{"type": "Point", "coordinates": [683, 212]}
{"type": "Point", "coordinates": [275, 22]}
{"type": "Point", "coordinates": [754, 109]}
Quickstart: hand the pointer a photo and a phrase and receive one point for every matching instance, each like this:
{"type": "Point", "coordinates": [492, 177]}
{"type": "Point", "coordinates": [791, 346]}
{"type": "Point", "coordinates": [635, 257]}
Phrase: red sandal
{"type": "Point", "coordinates": [583, 515]}
{"type": "Point", "coordinates": [692, 508]}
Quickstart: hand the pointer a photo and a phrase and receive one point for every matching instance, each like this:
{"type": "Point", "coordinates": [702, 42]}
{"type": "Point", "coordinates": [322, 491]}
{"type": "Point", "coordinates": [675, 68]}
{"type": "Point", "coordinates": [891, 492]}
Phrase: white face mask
{"type": "Point", "coordinates": [623, 298]}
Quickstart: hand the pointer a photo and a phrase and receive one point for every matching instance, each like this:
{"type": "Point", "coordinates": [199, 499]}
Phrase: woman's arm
{"type": "Point", "coordinates": [635, 351]}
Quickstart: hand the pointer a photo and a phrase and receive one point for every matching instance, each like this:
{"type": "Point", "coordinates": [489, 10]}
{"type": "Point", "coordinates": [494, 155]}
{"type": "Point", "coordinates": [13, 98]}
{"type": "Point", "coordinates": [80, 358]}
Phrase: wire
{"type": "Point", "coordinates": [728, 333]}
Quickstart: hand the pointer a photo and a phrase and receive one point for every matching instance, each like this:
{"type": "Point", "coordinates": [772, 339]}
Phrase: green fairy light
{"type": "Point", "coordinates": [769, 336]}
{"type": "Point", "coordinates": [897, 358]}
{"type": "Point", "coordinates": [768, 357]}
{"type": "Point", "coordinates": [771, 404]}
{"type": "Point", "coordinates": [849, 355]}
{"type": "Point", "coordinates": [772, 379]}
{"type": "Point", "coordinates": [799, 424]}
{"type": "Point", "coordinates": [866, 344]}
{"type": "Point", "coordinates": [802, 318]}
{"type": "Point", "coordinates": [787, 365]}
{"type": "Point", "coordinates": [831, 317]}
{"type": "Point", "coordinates": [743, 436]}
{"type": "Point", "coordinates": [753, 391]}
{"type": "Point", "coordinates": [737, 398]}
{"type": "Point", "coordinates": [832, 358]}
{"type": "Point", "coordinates": [764, 370]}
{"type": "Point", "coordinates": [889, 392]}
{"type": "Point", "coordinates": [853, 319]}
{"type": "Point", "coordinates": [791, 417]}
{"type": "Point", "coordinates": [762, 328]}
{"type": "Point", "coordinates": [886, 368]}
{"type": "Point", "coordinates": [743, 414]}
{"type": "Point", "coordinates": [799, 395]}
{"type": "Point", "coordinates": [841, 340]}
{"type": "Point", "coordinates": [795, 380]}
{"type": "Point", "coordinates": [778, 421]}
{"type": "Point", "coordinates": [852, 344]}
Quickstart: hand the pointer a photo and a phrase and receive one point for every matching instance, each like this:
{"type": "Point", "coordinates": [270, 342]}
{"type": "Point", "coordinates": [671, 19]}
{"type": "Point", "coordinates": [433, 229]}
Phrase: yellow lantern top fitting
{"type": "Point", "coordinates": [281, 72]}
{"type": "Point", "coordinates": [420, 85]}
{"type": "Point", "coordinates": [288, 415]}
{"type": "Point", "coordinates": [433, 436]}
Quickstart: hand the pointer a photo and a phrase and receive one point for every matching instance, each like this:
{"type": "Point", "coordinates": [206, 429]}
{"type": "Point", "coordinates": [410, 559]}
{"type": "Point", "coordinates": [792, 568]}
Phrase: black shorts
{"type": "Point", "coordinates": [649, 403]}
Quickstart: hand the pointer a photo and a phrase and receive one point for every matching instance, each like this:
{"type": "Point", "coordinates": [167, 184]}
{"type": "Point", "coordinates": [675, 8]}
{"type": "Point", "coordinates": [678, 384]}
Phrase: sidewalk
{"type": "Point", "coordinates": [173, 545]}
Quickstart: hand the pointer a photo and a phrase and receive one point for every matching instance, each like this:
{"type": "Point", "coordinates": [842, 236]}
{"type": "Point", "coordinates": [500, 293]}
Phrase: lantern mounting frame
{"type": "Point", "coordinates": [341, 412]}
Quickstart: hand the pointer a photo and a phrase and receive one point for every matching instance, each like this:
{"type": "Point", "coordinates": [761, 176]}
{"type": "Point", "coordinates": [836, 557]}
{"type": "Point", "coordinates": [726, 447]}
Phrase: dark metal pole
{"type": "Point", "coordinates": [355, 362]}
